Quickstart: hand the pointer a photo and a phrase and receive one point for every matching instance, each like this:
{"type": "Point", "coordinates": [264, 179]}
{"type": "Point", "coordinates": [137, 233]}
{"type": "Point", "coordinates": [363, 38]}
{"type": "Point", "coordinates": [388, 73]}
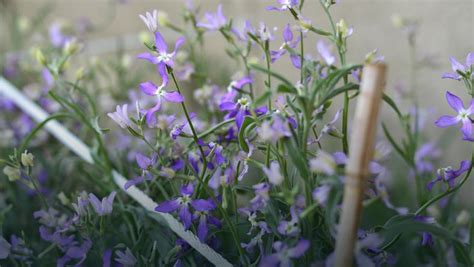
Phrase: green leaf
{"type": "Point", "coordinates": [283, 88]}
{"type": "Point", "coordinates": [242, 142]}
{"type": "Point", "coordinates": [298, 158]}
{"type": "Point", "coordinates": [274, 74]}
{"type": "Point", "coordinates": [394, 144]}
{"type": "Point", "coordinates": [263, 99]}
{"type": "Point", "coordinates": [392, 104]}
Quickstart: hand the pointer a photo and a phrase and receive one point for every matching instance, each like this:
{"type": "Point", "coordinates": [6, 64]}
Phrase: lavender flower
{"type": "Point", "coordinates": [273, 173]}
{"type": "Point", "coordinates": [75, 252]}
{"type": "Point", "coordinates": [423, 157]}
{"type": "Point", "coordinates": [126, 258]}
{"type": "Point", "coordinates": [463, 116]}
{"type": "Point", "coordinates": [145, 163]}
{"type": "Point", "coordinates": [273, 131]}
{"type": "Point", "coordinates": [459, 69]}
{"type": "Point", "coordinates": [105, 207]}
{"type": "Point", "coordinates": [323, 163]}
{"type": "Point", "coordinates": [288, 43]}
{"type": "Point", "coordinates": [325, 52]}
{"type": "Point", "coordinates": [213, 22]}
{"type": "Point", "coordinates": [329, 127]}
{"type": "Point", "coordinates": [239, 109]}
{"type": "Point", "coordinates": [283, 254]}
{"type": "Point", "coordinates": [151, 21]}
{"type": "Point", "coordinates": [291, 227]}
{"type": "Point", "coordinates": [257, 240]}
{"type": "Point", "coordinates": [120, 116]}
{"type": "Point", "coordinates": [321, 194]}
{"type": "Point", "coordinates": [284, 5]}
{"type": "Point", "coordinates": [261, 196]}
{"type": "Point", "coordinates": [183, 203]}
{"type": "Point", "coordinates": [205, 219]}
{"type": "Point", "coordinates": [449, 175]}
{"type": "Point", "coordinates": [150, 88]}
{"type": "Point", "coordinates": [4, 248]}
{"type": "Point", "coordinates": [82, 202]}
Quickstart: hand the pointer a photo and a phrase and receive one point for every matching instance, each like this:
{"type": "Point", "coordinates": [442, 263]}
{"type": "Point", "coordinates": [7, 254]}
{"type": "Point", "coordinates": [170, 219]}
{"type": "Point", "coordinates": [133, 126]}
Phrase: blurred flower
{"type": "Point", "coordinates": [274, 130]}
{"type": "Point", "coordinates": [27, 159]}
{"type": "Point", "coordinates": [257, 240]}
{"type": "Point", "coordinates": [460, 68]}
{"type": "Point", "coordinates": [105, 207]}
{"type": "Point", "coordinates": [291, 227]}
{"type": "Point", "coordinates": [325, 52]}
{"type": "Point", "coordinates": [462, 116]}
{"type": "Point", "coordinates": [321, 194]}
{"type": "Point", "coordinates": [283, 254]}
{"type": "Point", "coordinates": [288, 42]}
{"type": "Point", "coordinates": [4, 248]}
{"type": "Point", "coordinates": [323, 163]}
{"type": "Point", "coordinates": [126, 258]}
{"type": "Point", "coordinates": [213, 22]}
{"type": "Point", "coordinates": [273, 173]}
{"type": "Point", "coordinates": [284, 5]}
{"type": "Point", "coordinates": [13, 174]}
{"type": "Point", "coordinates": [120, 116]}
{"type": "Point", "coordinates": [150, 20]}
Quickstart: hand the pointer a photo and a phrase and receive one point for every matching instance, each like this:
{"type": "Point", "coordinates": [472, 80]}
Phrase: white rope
{"type": "Point", "coordinates": [80, 149]}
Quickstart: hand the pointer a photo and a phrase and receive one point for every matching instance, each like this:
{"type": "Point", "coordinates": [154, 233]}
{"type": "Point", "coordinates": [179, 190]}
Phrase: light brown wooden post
{"type": "Point", "coordinates": [360, 153]}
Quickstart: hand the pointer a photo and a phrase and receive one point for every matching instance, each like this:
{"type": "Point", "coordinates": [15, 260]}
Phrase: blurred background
{"type": "Point", "coordinates": [441, 28]}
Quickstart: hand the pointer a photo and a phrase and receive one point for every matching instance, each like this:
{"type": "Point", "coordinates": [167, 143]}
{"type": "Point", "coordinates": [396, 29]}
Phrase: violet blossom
{"type": "Point", "coordinates": [261, 195]}
{"type": "Point", "coordinates": [459, 69]}
{"type": "Point", "coordinates": [145, 163]}
{"type": "Point", "coordinates": [257, 240]}
{"type": "Point", "coordinates": [103, 207]}
{"type": "Point", "coordinates": [213, 22]}
{"type": "Point", "coordinates": [449, 175]}
{"type": "Point", "coordinates": [274, 130]}
{"type": "Point", "coordinates": [273, 173]}
{"type": "Point", "coordinates": [4, 248]}
{"type": "Point", "coordinates": [283, 253]}
{"type": "Point", "coordinates": [291, 227]}
{"type": "Point", "coordinates": [151, 89]}
{"type": "Point", "coordinates": [284, 5]}
{"type": "Point", "coordinates": [150, 20]}
{"type": "Point", "coordinates": [205, 219]}
{"type": "Point", "coordinates": [126, 258]}
{"type": "Point", "coordinates": [325, 52]}
{"type": "Point", "coordinates": [288, 42]}
{"type": "Point", "coordinates": [183, 203]}
{"type": "Point", "coordinates": [463, 116]}
{"type": "Point", "coordinates": [239, 109]}
{"type": "Point", "coordinates": [120, 116]}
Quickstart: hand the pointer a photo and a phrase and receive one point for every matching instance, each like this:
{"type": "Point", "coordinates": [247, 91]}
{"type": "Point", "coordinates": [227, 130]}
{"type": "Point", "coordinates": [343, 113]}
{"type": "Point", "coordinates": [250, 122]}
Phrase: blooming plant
{"type": "Point", "coordinates": [252, 164]}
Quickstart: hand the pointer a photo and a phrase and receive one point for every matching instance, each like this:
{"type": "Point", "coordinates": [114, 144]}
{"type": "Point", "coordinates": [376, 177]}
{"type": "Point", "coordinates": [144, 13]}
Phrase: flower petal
{"type": "Point", "coordinates": [149, 57]}
{"type": "Point", "coordinates": [299, 249]}
{"type": "Point", "coordinates": [466, 128]}
{"type": "Point", "coordinates": [148, 88]}
{"type": "Point", "coordinates": [168, 206]}
{"type": "Point", "coordinates": [186, 217]}
{"type": "Point", "coordinates": [454, 101]}
{"type": "Point", "coordinates": [469, 59]}
{"type": "Point", "coordinates": [203, 205]}
{"type": "Point", "coordinates": [455, 65]}
{"type": "Point", "coordinates": [160, 43]}
{"type": "Point", "coordinates": [287, 33]}
{"type": "Point", "coordinates": [453, 76]}
{"type": "Point", "coordinates": [173, 97]}
{"type": "Point", "coordinates": [446, 121]}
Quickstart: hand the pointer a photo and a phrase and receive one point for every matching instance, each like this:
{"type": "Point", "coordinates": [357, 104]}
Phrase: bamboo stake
{"type": "Point", "coordinates": [361, 152]}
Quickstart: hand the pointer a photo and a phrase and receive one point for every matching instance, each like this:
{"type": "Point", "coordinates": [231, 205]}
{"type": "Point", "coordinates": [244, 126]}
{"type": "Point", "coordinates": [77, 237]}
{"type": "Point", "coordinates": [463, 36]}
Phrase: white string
{"type": "Point", "coordinates": [80, 149]}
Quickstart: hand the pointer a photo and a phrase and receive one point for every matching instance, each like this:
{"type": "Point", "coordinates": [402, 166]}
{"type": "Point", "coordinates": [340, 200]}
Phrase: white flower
{"type": "Point", "coordinates": [151, 21]}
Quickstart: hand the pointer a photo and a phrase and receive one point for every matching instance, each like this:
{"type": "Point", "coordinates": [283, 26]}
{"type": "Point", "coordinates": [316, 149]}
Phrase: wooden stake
{"type": "Point", "coordinates": [361, 152]}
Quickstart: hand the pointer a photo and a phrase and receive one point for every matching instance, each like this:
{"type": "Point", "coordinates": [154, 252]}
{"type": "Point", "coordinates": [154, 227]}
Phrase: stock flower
{"type": "Point", "coordinates": [126, 258]}
{"type": "Point", "coordinates": [151, 89]}
{"type": "Point", "coordinates": [458, 68]}
{"type": "Point", "coordinates": [239, 109]}
{"type": "Point", "coordinates": [424, 157]}
{"type": "Point", "coordinates": [150, 20]}
{"type": "Point", "coordinates": [183, 203]}
{"type": "Point", "coordinates": [288, 42]}
{"type": "Point", "coordinates": [291, 227]}
{"type": "Point", "coordinates": [120, 116]}
{"type": "Point", "coordinates": [321, 194]}
{"type": "Point", "coordinates": [273, 131]}
{"type": "Point", "coordinates": [329, 127]}
{"type": "Point", "coordinates": [105, 207]}
{"type": "Point", "coordinates": [273, 173]}
{"type": "Point", "coordinates": [145, 163]}
{"type": "Point", "coordinates": [449, 175]}
{"type": "Point", "coordinates": [323, 163]}
{"type": "Point", "coordinates": [82, 202]}
{"type": "Point", "coordinates": [257, 240]}
{"type": "Point", "coordinates": [284, 5]}
{"type": "Point", "coordinates": [261, 196]}
{"type": "Point", "coordinates": [205, 219]}
{"type": "Point", "coordinates": [366, 242]}
{"type": "Point", "coordinates": [325, 52]}
{"type": "Point", "coordinates": [213, 22]}
{"type": "Point", "coordinates": [162, 58]}
{"type": "Point", "coordinates": [283, 254]}
{"type": "Point", "coordinates": [463, 116]}
{"type": "Point", "coordinates": [76, 252]}
{"type": "Point", "coordinates": [264, 33]}
{"type": "Point", "coordinates": [4, 248]}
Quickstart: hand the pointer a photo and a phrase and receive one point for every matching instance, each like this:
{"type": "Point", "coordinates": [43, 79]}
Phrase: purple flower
{"type": "Point", "coordinates": [82, 202]}
{"type": "Point", "coordinates": [120, 116]}
{"type": "Point", "coordinates": [239, 109]}
{"type": "Point", "coordinates": [291, 227]}
{"type": "Point", "coordinates": [329, 127]}
{"type": "Point", "coordinates": [107, 258]}
{"type": "Point", "coordinates": [427, 239]}
{"type": "Point", "coordinates": [449, 175]}
{"type": "Point", "coordinates": [261, 196]}
{"type": "Point", "coordinates": [76, 252]}
{"type": "Point", "coordinates": [462, 116]}
{"type": "Point", "coordinates": [183, 203]}
{"type": "Point", "coordinates": [150, 20]}
{"type": "Point", "coordinates": [57, 37]}
{"type": "Point", "coordinates": [264, 33]}
{"type": "Point", "coordinates": [145, 163]}
{"type": "Point", "coordinates": [321, 194]}
{"type": "Point", "coordinates": [288, 43]}
{"type": "Point", "coordinates": [162, 57]}
{"type": "Point", "coordinates": [423, 157]}
{"type": "Point", "coordinates": [273, 131]}
{"type": "Point", "coordinates": [323, 163]}
{"type": "Point", "coordinates": [273, 173]}
{"type": "Point", "coordinates": [459, 68]}
{"type": "Point", "coordinates": [213, 22]}
{"type": "Point", "coordinates": [105, 207]}
{"type": "Point", "coordinates": [257, 240]}
{"type": "Point", "coordinates": [126, 258]}
{"type": "Point", "coordinates": [202, 214]}
{"type": "Point", "coordinates": [283, 254]}
{"type": "Point", "coordinates": [325, 52]}
{"type": "Point", "coordinates": [150, 88]}
{"type": "Point", "coordinates": [284, 5]}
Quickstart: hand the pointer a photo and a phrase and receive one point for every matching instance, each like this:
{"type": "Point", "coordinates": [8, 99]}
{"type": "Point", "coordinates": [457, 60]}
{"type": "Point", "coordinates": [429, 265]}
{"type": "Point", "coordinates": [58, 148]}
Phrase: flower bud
{"type": "Point", "coordinates": [13, 174]}
{"type": "Point", "coordinates": [342, 29]}
{"type": "Point", "coordinates": [463, 217]}
{"type": "Point", "coordinates": [39, 56]}
{"type": "Point", "coordinates": [163, 19]}
{"type": "Point", "coordinates": [80, 73]}
{"type": "Point", "coordinates": [71, 47]}
{"type": "Point", "coordinates": [27, 159]}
